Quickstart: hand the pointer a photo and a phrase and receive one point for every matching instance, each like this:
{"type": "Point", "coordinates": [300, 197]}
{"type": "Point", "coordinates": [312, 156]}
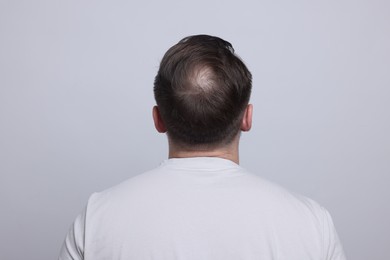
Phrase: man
{"type": "Point", "coordinates": [200, 204]}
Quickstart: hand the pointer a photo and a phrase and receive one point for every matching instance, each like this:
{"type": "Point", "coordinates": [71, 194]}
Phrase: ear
{"type": "Point", "coordinates": [158, 123]}
{"type": "Point", "coordinates": [246, 122]}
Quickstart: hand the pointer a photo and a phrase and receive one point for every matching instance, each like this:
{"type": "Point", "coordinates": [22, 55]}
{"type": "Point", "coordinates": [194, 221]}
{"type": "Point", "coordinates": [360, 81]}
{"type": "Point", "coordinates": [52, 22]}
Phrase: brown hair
{"type": "Point", "coordinates": [202, 89]}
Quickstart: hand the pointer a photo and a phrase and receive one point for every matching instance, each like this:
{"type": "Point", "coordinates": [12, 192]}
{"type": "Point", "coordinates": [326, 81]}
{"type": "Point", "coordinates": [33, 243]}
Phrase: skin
{"type": "Point", "coordinates": [229, 151]}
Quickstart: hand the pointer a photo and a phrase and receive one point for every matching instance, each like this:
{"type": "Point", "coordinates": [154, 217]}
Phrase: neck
{"type": "Point", "coordinates": [229, 152]}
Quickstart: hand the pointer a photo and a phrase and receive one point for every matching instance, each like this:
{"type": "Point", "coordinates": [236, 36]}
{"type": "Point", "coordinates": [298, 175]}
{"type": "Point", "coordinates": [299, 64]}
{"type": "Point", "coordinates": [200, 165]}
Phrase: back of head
{"type": "Point", "coordinates": [202, 89]}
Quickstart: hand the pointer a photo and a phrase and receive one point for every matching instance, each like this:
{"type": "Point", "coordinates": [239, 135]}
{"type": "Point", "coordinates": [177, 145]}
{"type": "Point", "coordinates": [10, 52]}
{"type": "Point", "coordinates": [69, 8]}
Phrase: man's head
{"type": "Point", "coordinates": [202, 90]}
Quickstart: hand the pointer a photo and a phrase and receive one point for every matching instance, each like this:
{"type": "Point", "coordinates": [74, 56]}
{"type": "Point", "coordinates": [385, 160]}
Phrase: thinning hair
{"type": "Point", "coordinates": [202, 89]}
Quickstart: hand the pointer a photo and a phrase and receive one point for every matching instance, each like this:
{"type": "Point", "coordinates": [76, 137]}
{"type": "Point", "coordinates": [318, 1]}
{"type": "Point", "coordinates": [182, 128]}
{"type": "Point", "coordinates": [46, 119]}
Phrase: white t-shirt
{"type": "Point", "coordinates": [201, 208]}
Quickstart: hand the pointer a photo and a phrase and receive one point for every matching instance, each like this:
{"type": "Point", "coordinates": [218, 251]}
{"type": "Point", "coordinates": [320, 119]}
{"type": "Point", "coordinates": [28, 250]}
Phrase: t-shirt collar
{"type": "Point", "coordinates": [200, 163]}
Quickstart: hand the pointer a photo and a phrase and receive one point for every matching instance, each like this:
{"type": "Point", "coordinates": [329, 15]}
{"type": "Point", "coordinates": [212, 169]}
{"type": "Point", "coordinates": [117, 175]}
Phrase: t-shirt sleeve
{"type": "Point", "coordinates": [73, 246]}
{"type": "Point", "coordinates": [333, 249]}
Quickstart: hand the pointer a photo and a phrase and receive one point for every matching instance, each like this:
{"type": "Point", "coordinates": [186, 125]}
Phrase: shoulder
{"type": "Point", "coordinates": [126, 188]}
{"type": "Point", "coordinates": [283, 199]}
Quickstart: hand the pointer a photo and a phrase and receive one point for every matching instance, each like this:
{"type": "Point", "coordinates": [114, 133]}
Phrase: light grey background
{"type": "Point", "coordinates": [76, 97]}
